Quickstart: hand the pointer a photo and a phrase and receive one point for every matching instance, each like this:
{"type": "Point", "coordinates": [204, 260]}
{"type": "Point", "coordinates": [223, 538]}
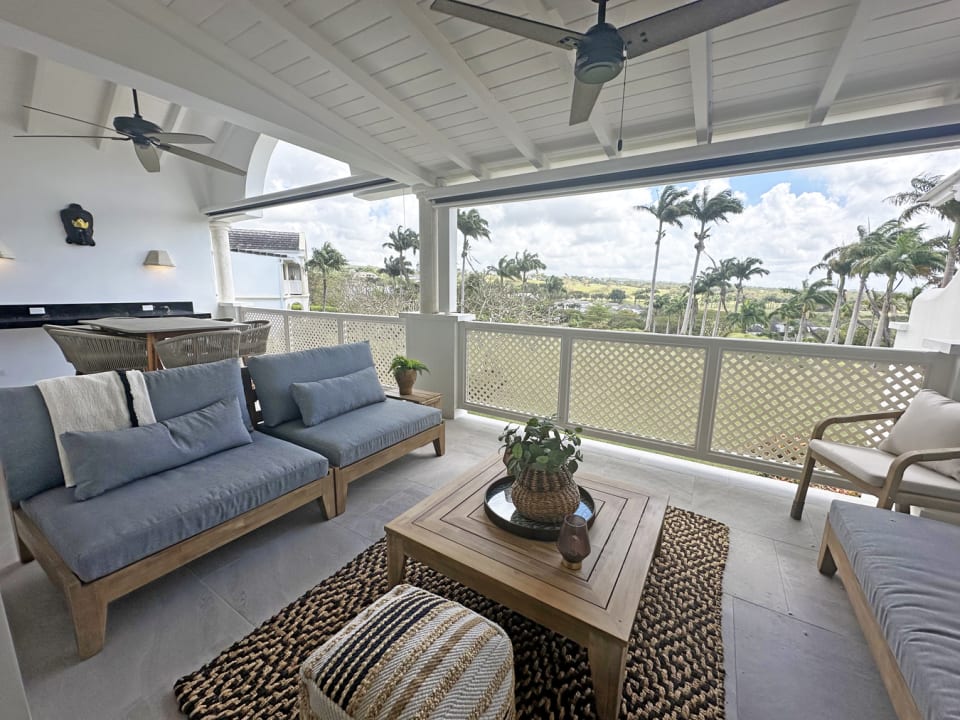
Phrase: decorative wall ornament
{"type": "Point", "coordinates": [78, 224]}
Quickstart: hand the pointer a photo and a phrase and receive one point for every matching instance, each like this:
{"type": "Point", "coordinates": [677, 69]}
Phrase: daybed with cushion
{"type": "Point", "coordinates": [147, 499]}
{"type": "Point", "coordinates": [902, 574]}
{"type": "Point", "coordinates": [331, 401]}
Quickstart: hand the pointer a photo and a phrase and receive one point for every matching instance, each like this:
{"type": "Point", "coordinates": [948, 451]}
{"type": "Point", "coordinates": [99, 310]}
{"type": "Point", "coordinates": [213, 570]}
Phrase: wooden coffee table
{"type": "Point", "coordinates": [594, 606]}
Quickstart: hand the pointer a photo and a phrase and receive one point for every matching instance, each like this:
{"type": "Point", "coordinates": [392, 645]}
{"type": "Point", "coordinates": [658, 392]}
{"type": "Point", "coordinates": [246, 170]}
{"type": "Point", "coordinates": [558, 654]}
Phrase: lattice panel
{"type": "Point", "coordinates": [386, 341]}
{"type": "Point", "coordinates": [310, 331]}
{"type": "Point", "coordinates": [767, 404]}
{"type": "Point", "coordinates": [513, 372]}
{"type": "Point", "coordinates": [647, 391]}
{"type": "Point", "coordinates": [277, 342]}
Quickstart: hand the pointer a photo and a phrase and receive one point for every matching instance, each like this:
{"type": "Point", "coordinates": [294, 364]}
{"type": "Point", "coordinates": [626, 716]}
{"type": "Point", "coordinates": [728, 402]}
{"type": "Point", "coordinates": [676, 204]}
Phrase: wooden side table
{"type": "Point", "coordinates": [421, 397]}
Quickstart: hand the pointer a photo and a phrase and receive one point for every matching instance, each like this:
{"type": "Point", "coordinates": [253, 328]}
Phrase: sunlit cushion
{"type": "Point", "coordinates": [931, 421]}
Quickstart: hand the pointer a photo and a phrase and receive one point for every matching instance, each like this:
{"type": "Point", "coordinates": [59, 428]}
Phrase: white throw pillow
{"type": "Point", "coordinates": [931, 421]}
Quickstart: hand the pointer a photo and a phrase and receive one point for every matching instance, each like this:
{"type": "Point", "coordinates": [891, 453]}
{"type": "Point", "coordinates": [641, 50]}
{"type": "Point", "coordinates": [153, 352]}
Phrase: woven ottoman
{"type": "Point", "coordinates": [411, 654]}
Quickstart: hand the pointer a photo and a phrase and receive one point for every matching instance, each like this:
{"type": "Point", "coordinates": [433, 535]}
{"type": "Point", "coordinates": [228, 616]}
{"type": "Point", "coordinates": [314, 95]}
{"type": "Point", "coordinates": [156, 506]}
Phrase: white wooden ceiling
{"type": "Point", "coordinates": [409, 93]}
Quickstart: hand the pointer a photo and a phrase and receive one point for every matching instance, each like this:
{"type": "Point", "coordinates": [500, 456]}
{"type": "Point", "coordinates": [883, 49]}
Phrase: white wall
{"type": "Point", "coordinates": [934, 315]}
{"type": "Point", "coordinates": [134, 211]}
{"type": "Point", "coordinates": [257, 280]}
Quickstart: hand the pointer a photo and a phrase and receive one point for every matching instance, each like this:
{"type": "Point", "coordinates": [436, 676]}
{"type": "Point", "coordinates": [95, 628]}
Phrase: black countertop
{"type": "Point", "coordinates": [20, 316]}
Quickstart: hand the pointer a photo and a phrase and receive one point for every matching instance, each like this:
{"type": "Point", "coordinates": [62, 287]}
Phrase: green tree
{"type": "Point", "coordinates": [804, 301]}
{"type": "Point", "coordinates": [403, 239]}
{"type": "Point", "coordinates": [743, 270]}
{"type": "Point", "coordinates": [751, 312]}
{"type": "Point", "coordinates": [838, 262]}
{"type": "Point", "coordinates": [949, 211]}
{"type": "Point", "coordinates": [707, 283]}
{"type": "Point", "coordinates": [527, 263]}
{"type": "Point", "coordinates": [706, 210]}
{"type": "Point", "coordinates": [668, 210]}
{"type": "Point", "coordinates": [326, 259]}
{"type": "Point", "coordinates": [470, 225]}
{"type": "Point", "coordinates": [856, 252]}
{"type": "Point", "coordinates": [618, 295]}
{"type": "Point", "coordinates": [397, 267]}
{"type": "Point", "coordinates": [723, 274]}
{"type": "Point", "coordinates": [554, 286]}
{"type": "Point", "coordinates": [506, 268]}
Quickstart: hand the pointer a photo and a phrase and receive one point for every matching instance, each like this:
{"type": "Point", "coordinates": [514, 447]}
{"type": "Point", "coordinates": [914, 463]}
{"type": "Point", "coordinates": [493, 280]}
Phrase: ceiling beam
{"type": "Point", "coordinates": [313, 43]}
{"type": "Point", "coordinates": [106, 108]}
{"type": "Point", "coordinates": [169, 123]}
{"type": "Point", "coordinates": [565, 60]}
{"type": "Point", "coordinates": [952, 94]}
{"type": "Point", "coordinates": [422, 27]}
{"type": "Point", "coordinates": [700, 49]}
{"type": "Point", "coordinates": [38, 70]}
{"type": "Point", "coordinates": [843, 60]}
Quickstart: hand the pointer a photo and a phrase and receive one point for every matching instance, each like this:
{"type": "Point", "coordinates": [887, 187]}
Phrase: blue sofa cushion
{"type": "Point", "coordinates": [28, 448]}
{"type": "Point", "coordinates": [325, 399]}
{"type": "Point", "coordinates": [347, 438]}
{"type": "Point", "coordinates": [129, 523]}
{"type": "Point", "coordinates": [101, 461]}
{"type": "Point", "coordinates": [273, 374]}
{"type": "Point", "coordinates": [181, 390]}
{"type": "Point", "coordinates": [909, 569]}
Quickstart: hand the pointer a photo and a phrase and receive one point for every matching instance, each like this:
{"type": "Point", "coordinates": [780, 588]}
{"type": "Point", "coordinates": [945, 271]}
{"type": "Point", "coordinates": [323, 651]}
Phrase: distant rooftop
{"type": "Point", "coordinates": [265, 242]}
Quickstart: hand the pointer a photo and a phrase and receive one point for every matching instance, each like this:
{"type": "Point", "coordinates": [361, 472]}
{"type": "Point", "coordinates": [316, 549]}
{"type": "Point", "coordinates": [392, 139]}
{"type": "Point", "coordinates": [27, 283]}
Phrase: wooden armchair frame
{"type": "Point", "coordinates": [888, 493]}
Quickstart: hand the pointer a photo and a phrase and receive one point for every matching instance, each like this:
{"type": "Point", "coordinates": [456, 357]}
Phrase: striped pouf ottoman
{"type": "Point", "coordinates": [411, 654]}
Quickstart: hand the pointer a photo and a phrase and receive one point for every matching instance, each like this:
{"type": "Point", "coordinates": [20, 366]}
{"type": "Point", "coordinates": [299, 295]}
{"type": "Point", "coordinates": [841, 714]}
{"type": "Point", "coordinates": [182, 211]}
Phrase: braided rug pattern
{"type": "Point", "coordinates": [674, 668]}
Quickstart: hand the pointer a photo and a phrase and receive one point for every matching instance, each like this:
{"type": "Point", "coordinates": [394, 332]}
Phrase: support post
{"type": "Point", "coordinates": [428, 257]}
{"type": "Point", "coordinates": [447, 258]}
{"type": "Point", "coordinates": [223, 267]}
{"type": "Point", "coordinates": [434, 339]}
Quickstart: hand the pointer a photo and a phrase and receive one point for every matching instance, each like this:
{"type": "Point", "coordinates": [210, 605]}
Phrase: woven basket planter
{"type": "Point", "coordinates": [545, 496]}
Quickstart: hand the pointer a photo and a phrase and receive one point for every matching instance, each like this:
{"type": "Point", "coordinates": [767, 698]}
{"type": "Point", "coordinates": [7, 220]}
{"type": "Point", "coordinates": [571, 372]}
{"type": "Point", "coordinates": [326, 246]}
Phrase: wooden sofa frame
{"type": "Point", "coordinates": [343, 476]}
{"type": "Point", "coordinates": [88, 601]}
{"type": "Point", "coordinates": [888, 493]}
{"type": "Point", "coordinates": [834, 559]}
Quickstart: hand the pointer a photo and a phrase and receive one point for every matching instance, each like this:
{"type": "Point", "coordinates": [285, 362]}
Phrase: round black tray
{"type": "Point", "coordinates": [500, 509]}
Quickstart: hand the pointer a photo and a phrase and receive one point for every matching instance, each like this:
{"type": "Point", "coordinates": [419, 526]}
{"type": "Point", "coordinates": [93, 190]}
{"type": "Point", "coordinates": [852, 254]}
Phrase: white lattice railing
{"type": "Point", "coordinates": [745, 403]}
{"type": "Point", "coordinates": [292, 330]}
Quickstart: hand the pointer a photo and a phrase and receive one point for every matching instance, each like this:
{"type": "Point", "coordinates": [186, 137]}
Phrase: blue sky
{"type": "Point", "coordinates": [791, 219]}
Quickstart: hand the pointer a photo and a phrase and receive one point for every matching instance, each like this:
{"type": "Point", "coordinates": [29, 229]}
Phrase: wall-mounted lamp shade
{"type": "Point", "coordinates": [158, 258]}
{"type": "Point", "coordinates": [5, 254]}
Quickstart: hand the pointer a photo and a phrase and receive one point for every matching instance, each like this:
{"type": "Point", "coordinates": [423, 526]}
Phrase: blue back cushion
{"type": "Point", "coordinates": [181, 390]}
{"type": "Point", "coordinates": [324, 399]}
{"type": "Point", "coordinates": [274, 374]}
{"type": "Point", "coordinates": [28, 448]}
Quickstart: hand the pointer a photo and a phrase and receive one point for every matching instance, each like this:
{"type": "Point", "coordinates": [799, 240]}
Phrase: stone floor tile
{"type": "Point", "coordinates": [812, 597]}
{"type": "Point", "coordinates": [753, 571]}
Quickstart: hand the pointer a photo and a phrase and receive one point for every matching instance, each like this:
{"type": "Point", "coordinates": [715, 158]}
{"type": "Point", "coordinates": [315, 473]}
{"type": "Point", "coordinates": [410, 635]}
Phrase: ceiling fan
{"type": "Point", "coordinates": [603, 49]}
{"type": "Point", "coordinates": [147, 139]}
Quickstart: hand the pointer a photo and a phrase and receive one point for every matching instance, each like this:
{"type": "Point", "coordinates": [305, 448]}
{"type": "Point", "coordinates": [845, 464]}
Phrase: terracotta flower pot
{"type": "Point", "coordinates": [405, 380]}
{"type": "Point", "coordinates": [543, 496]}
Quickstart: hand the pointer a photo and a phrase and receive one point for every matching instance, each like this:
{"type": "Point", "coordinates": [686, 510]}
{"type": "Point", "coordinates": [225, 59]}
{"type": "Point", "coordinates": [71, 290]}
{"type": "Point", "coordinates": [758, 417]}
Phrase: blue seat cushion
{"type": "Point", "coordinates": [909, 569]}
{"type": "Point", "coordinates": [177, 391]}
{"type": "Point", "coordinates": [113, 530]}
{"type": "Point", "coordinates": [350, 437]}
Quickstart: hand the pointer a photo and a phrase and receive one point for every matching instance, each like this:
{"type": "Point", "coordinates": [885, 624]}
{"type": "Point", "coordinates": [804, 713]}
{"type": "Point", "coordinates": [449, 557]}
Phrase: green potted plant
{"type": "Point", "coordinates": [542, 458]}
{"type": "Point", "coordinates": [405, 370]}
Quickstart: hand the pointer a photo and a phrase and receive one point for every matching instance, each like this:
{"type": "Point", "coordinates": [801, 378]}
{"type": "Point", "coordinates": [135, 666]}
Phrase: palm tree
{"type": "Point", "coordinates": [397, 267]}
{"type": "Point", "coordinates": [707, 281]}
{"type": "Point", "coordinates": [324, 260]}
{"type": "Point", "coordinates": [403, 239]}
{"type": "Point", "coordinates": [856, 252]}
{"type": "Point", "coordinates": [751, 312]}
{"type": "Point", "coordinates": [668, 209]}
{"type": "Point", "coordinates": [527, 263]}
{"type": "Point", "coordinates": [471, 225]}
{"type": "Point", "coordinates": [725, 273]}
{"type": "Point", "coordinates": [807, 299]}
{"type": "Point", "coordinates": [706, 210]}
{"type": "Point", "coordinates": [837, 262]}
{"type": "Point", "coordinates": [949, 211]}
{"type": "Point", "coordinates": [743, 270]}
{"type": "Point", "coordinates": [554, 286]}
{"type": "Point", "coordinates": [506, 268]}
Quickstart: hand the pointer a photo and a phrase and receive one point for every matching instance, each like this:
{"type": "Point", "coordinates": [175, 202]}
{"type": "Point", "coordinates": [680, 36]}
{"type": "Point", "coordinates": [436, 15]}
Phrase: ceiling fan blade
{"type": "Point", "coordinates": [148, 156]}
{"type": "Point", "coordinates": [541, 32]}
{"type": "Point", "coordinates": [686, 21]}
{"type": "Point", "coordinates": [181, 138]}
{"type": "Point", "coordinates": [89, 137]}
{"type": "Point", "coordinates": [68, 117]}
{"type": "Point", "coordinates": [197, 157]}
{"type": "Point", "coordinates": [584, 98]}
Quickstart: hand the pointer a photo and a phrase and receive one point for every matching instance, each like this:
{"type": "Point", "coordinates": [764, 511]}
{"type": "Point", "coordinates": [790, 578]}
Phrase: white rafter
{"type": "Point", "coordinates": [865, 12]}
{"type": "Point", "coordinates": [700, 49]}
{"type": "Point", "coordinates": [39, 69]}
{"type": "Point", "coordinates": [952, 94]}
{"type": "Point", "coordinates": [313, 43]}
{"type": "Point", "coordinates": [106, 106]}
{"type": "Point", "coordinates": [565, 60]}
{"type": "Point", "coordinates": [358, 143]}
{"type": "Point", "coordinates": [420, 26]}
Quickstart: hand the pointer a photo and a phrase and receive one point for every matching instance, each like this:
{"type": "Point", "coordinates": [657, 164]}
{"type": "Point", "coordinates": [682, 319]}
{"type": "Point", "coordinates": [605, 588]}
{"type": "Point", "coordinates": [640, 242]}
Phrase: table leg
{"type": "Point", "coordinates": [608, 667]}
{"type": "Point", "coordinates": [153, 362]}
{"type": "Point", "coordinates": [395, 559]}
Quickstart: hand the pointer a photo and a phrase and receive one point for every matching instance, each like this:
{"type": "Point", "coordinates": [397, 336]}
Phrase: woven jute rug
{"type": "Point", "coordinates": [674, 669]}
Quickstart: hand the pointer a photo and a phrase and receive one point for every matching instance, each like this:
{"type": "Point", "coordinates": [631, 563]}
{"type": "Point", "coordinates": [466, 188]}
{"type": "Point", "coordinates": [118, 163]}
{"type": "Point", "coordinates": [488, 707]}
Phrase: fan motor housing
{"type": "Point", "coordinates": [134, 126]}
{"type": "Point", "coordinates": [600, 55]}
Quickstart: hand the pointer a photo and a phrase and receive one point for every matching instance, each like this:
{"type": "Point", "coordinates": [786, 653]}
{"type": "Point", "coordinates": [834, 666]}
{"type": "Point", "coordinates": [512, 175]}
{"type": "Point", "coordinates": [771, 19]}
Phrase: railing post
{"type": "Point", "coordinates": [340, 323]}
{"type": "Point", "coordinates": [462, 331]}
{"type": "Point", "coordinates": [566, 368]}
{"type": "Point", "coordinates": [286, 331]}
{"type": "Point", "coordinates": [708, 398]}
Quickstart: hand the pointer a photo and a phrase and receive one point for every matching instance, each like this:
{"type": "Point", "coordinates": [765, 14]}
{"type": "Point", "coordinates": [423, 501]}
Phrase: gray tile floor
{"type": "Point", "coordinates": [792, 645]}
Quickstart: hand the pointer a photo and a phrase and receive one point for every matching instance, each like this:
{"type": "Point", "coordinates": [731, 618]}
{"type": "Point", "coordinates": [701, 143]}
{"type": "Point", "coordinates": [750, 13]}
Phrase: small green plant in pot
{"type": "Point", "coordinates": [405, 370]}
{"type": "Point", "coordinates": [542, 458]}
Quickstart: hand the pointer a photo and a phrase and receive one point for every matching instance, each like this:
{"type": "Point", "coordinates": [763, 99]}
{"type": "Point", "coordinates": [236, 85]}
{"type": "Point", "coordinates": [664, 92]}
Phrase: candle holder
{"type": "Point", "coordinates": [574, 541]}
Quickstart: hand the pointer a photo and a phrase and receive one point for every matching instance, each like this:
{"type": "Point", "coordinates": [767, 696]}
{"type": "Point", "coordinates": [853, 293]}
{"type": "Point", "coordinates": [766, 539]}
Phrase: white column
{"type": "Point", "coordinates": [223, 268]}
{"type": "Point", "coordinates": [434, 340]}
{"type": "Point", "coordinates": [428, 257]}
{"type": "Point", "coordinates": [447, 258]}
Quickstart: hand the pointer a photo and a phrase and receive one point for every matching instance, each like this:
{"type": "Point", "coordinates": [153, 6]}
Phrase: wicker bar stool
{"type": "Point", "coordinates": [253, 339]}
{"type": "Point", "coordinates": [197, 348]}
{"type": "Point", "coordinates": [92, 352]}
